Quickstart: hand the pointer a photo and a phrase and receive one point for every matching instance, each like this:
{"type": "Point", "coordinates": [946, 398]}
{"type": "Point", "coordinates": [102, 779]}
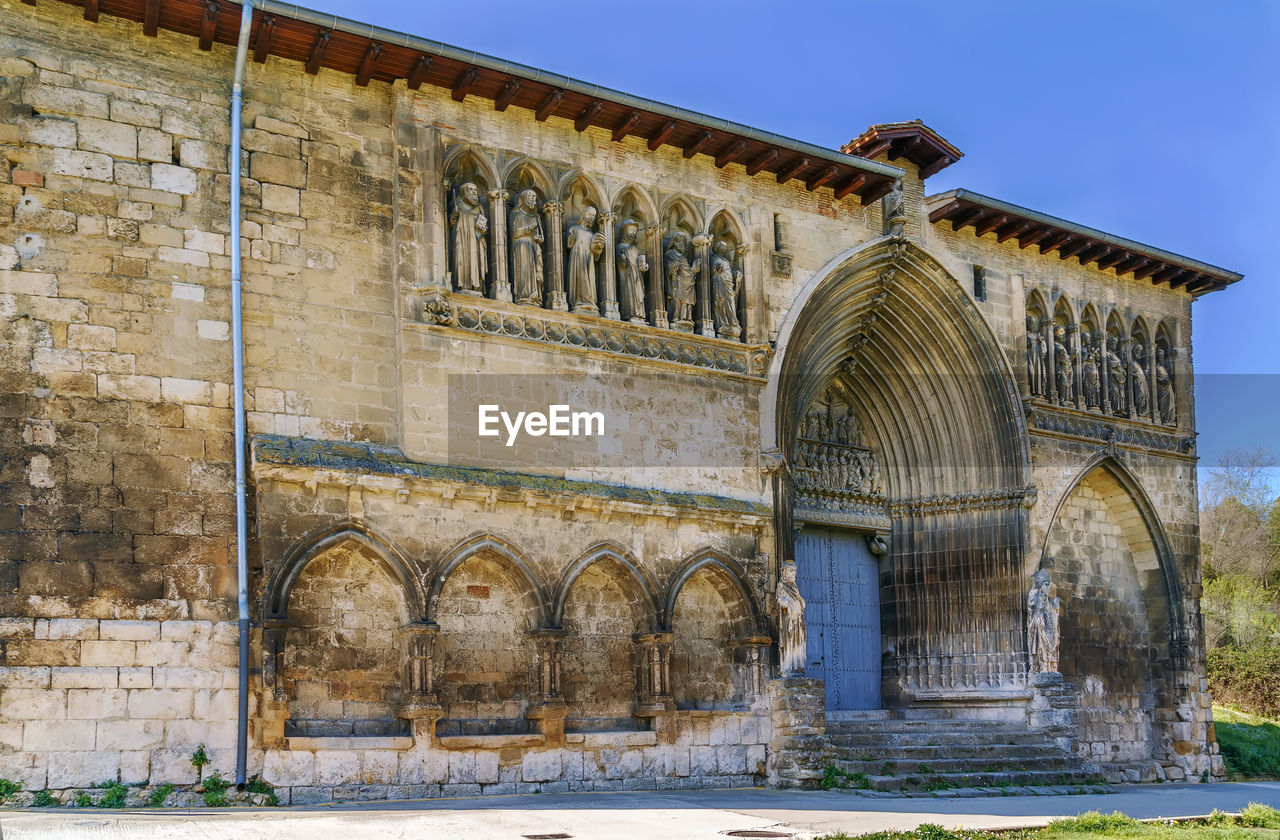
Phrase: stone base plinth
{"type": "Point", "coordinates": [799, 749]}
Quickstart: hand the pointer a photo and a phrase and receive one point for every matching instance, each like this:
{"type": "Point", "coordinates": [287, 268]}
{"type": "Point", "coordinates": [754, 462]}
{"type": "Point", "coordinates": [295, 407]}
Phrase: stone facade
{"type": "Point", "coordinates": [435, 616]}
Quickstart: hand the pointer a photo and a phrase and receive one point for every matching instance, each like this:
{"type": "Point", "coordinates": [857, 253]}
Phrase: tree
{"type": "Point", "coordinates": [1238, 534]}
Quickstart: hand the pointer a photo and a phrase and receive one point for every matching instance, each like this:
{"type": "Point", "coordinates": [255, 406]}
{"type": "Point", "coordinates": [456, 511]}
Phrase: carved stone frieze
{"type": "Point", "coordinates": [1125, 433]}
{"type": "Point", "coordinates": [480, 315]}
{"type": "Point", "coordinates": [837, 480]}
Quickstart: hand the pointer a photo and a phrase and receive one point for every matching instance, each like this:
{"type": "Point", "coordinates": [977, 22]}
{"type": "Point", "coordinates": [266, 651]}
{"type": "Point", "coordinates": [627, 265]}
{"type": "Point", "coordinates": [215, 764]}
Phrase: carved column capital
{"type": "Point", "coordinates": [700, 241]}
{"type": "Point", "coordinates": [744, 249]}
{"type": "Point", "coordinates": [499, 195]}
{"type": "Point", "coordinates": [605, 217]}
{"type": "Point", "coordinates": [553, 208]}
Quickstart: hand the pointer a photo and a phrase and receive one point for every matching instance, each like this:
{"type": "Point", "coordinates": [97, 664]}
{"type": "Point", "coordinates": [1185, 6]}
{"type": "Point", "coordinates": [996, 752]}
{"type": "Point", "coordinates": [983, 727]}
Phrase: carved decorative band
{"type": "Point", "coordinates": [1121, 432]}
{"type": "Point", "coordinates": [868, 520]}
{"type": "Point", "coordinates": [488, 317]}
{"type": "Point", "coordinates": [996, 500]}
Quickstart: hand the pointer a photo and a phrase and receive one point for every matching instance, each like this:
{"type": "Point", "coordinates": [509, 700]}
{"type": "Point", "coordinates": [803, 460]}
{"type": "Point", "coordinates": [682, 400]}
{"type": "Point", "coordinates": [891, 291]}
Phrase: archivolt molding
{"type": "Point", "coordinates": [727, 570]}
{"type": "Point", "coordinates": [492, 545]}
{"type": "Point", "coordinates": [636, 579]}
{"type": "Point", "coordinates": [1145, 532]}
{"type": "Point", "coordinates": [286, 572]}
{"type": "Point", "coordinates": [925, 370]}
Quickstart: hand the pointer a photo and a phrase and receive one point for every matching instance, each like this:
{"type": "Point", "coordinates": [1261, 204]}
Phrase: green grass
{"type": "Point", "coordinates": [160, 794]}
{"type": "Point", "coordinates": [8, 788]}
{"type": "Point", "coordinates": [215, 790]}
{"type": "Point", "coordinates": [1250, 744]}
{"type": "Point", "coordinates": [1256, 822]}
{"type": "Point", "coordinates": [43, 799]}
{"type": "Point", "coordinates": [115, 796]}
{"type": "Point", "coordinates": [833, 778]}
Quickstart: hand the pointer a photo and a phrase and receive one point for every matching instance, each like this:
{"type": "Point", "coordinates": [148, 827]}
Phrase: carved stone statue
{"type": "Point", "coordinates": [585, 247]}
{"type": "Point", "coordinates": [725, 283]}
{"type": "Point", "coordinates": [1043, 612]}
{"type": "Point", "coordinates": [632, 263]}
{"type": "Point", "coordinates": [1164, 391]}
{"type": "Point", "coordinates": [1092, 381]}
{"type": "Point", "coordinates": [682, 290]}
{"type": "Point", "coordinates": [793, 641]}
{"type": "Point", "coordinates": [526, 249]}
{"type": "Point", "coordinates": [469, 225]}
{"type": "Point", "coordinates": [1141, 392]}
{"type": "Point", "coordinates": [1062, 367]}
{"type": "Point", "coordinates": [1035, 357]}
{"type": "Point", "coordinates": [895, 214]}
{"type": "Point", "coordinates": [1116, 378]}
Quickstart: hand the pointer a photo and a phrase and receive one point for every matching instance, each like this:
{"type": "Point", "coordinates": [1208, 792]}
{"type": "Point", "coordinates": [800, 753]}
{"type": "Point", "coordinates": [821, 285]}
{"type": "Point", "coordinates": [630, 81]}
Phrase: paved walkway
{"type": "Point", "coordinates": [693, 815]}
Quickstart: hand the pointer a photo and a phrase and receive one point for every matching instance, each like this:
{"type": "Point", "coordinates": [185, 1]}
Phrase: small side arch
{"type": "Point", "coordinates": [641, 201]}
{"type": "Point", "coordinates": [592, 190]}
{"type": "Point", "coordinates": [1147, 537]}
{"type": "Point", "coordinates": [510, 556]}
{"type": "Point", "coordinates": [677, 208]}
{"type": "Point", "coordinates": [281, 580]}
{"type": "Point", "coordinates": [467, 155]}
{"type": "Point", "coordinates": [523, 171]}
{"type": "Point", "coordinates": [642, 585]}
{"type": "Point", "coordinates": [726, 570]}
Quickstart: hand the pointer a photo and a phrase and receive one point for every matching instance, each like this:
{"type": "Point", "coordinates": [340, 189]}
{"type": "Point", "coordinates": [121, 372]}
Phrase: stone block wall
{"type": "Point", "coordinates": [117, 571]}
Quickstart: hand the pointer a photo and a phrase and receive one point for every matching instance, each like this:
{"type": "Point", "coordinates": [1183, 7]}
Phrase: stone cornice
{"type": "Point", "coordinates": [369, 467]}
{"type": "Point", "coordinates": [668, 349]}
{"type": "Point", "coordinates": [1071, 424]}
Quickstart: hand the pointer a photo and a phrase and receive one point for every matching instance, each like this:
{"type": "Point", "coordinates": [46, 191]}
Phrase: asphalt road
{"type": "Point", "coordinates": [692, 815]}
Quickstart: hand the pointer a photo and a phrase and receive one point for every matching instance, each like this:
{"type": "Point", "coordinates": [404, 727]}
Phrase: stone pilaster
{"type": "Point", "coordinates": [751, 653]}
{"type": "Point", "coordinates": [609, 268]}
{"type": "Point", "coordinates": [555, 296]}
{"type": "Point", "coordinates": [548, 710]}
{"type": "Point", "coordinates": [657, 299]}
{"type": "Point", "coordinates": [706, 324]}
{"type": "Point", "coordinates": [799, 749]}
{"type": "Point", "coordinates": [500, 285]}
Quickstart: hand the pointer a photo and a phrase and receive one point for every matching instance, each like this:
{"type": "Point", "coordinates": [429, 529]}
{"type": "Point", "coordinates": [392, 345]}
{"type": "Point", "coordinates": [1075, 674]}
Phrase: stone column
{"type": "Point", "coordinates": [1077, 375]}
{"type": "Point", "coordinates": [419, 704]}
{"type": "Point", "coordinates": [751, 653]}
{"type": "Point", "coordinates": [654, 688]}
{"type": "Point", "coordinates": [1104, 375]}
{"type": "Point", "coordinates": [1153, 401]}
{"type": "Point", "coordinates": [657, 296]}
{"type": "Point", "coordinates": [548, 710]}
{"type": "Point", "coordinates": [554, 248]}
{"type": "Point", "coordinates": [500, 285]}
{"type": "Point", "coordinates": [739, 305]}
{"type": "Point", "coordinates": [1050, 364]}
{"type": "Point", "coordinates": [275, 702]}
{"type": "Point", "coordinates": [706, 324]}
{"type": "Point", "coordinates": [608, 280]}
{"type": "Point", "coordinates": [1128, 377]}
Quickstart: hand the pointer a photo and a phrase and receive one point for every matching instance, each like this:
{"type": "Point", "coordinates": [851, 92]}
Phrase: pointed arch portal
{"type": "Point", "coordinates": [935, 458]}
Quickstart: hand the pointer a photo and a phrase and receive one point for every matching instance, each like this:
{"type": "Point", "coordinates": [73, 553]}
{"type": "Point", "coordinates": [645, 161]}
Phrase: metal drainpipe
{"type": "Point", "coordinates": [237, 362]}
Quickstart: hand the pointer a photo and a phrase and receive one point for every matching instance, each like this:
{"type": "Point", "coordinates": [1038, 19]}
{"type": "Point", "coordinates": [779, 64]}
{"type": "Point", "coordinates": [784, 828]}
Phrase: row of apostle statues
{"type": "Point", "coordinates": [1101, 373]}
{"type": "Point", "coordinates": [593, 268]}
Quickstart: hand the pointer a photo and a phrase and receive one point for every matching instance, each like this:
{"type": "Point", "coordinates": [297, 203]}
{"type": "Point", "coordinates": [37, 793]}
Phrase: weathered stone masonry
{"type": "Point", "coordinates": [427, 621]}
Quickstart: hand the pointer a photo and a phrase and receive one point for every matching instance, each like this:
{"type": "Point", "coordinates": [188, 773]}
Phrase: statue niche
{"type": "Point", "coordinates": [1043, 614]}
{"type": "Point", "coordinates": [632, 265]}
{"type": "Point", "coordinates": [727, 255]}
{"type": "Point", "coordinates": [526, 249]}
{"type": "Point", "coordinates": [468, 227]}
{"type": "Point", "coordinates": [837, 478]}
{"type": "Point", "coordinates": [792, 634]}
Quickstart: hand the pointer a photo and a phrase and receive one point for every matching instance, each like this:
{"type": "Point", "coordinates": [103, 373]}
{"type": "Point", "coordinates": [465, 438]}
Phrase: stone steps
{"type": "Point", "coordinates": [979, 752]}
{"type": "Point", "coordinates": [1054, 763]}
{"type": "Point", "coordinates": [944, 756]}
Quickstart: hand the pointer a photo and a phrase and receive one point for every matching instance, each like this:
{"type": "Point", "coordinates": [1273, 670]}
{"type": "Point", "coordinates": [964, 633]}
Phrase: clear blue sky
{"type": "Point", "coordinates": [1158, 121]}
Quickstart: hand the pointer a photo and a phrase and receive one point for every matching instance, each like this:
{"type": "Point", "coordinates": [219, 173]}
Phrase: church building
{"type": "Point", "coordinates": [396, 421]}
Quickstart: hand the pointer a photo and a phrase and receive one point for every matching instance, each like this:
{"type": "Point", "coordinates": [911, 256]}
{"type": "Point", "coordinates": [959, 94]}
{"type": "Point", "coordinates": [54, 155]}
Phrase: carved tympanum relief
{"type": "Point", "coordinates": [572, 248]}
{"type": "Point", "coordinates": [1118, 367]}
{"type": "Point", "coordinates": [837, 477]}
